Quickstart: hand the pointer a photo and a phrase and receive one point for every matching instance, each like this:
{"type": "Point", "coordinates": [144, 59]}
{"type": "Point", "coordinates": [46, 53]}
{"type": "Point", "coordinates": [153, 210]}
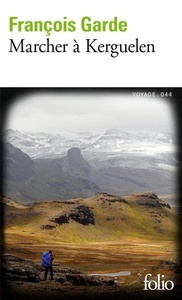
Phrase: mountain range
{"type": "Point", "coordinates": [70, 165]}
{"type": "Point", "coordinates": [104, 145]}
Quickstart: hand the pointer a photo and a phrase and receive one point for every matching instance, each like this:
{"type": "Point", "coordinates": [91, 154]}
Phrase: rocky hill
{"type": "Point", "coordinates": [101, 234]}
{"type": "Point", "coordinates": [98, 218]}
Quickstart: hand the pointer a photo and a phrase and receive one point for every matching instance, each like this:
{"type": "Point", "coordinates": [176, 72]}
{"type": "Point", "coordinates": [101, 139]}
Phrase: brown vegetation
{"type": "Point", "coordinates": [126, 235]}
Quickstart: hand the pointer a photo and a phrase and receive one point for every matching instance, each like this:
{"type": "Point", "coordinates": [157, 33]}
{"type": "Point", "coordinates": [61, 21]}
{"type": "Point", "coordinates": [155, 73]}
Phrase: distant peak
{"type": "Point", "coordinates": [74, 153]}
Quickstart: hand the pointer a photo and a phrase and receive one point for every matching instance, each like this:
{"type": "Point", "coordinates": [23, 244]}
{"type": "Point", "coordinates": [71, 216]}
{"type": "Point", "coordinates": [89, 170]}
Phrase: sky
{"type": "Point", "coordinates": [85, 111]}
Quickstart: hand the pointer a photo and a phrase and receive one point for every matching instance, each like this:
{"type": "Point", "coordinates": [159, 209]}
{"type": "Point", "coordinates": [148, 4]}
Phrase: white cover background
{"type": "Point", "coordinates": [151, 21]}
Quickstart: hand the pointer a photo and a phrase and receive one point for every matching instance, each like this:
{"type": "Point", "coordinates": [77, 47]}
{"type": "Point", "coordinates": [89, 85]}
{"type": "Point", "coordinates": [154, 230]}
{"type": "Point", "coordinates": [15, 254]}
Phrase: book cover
{"type": "Point", "coordinates": [91, 150]}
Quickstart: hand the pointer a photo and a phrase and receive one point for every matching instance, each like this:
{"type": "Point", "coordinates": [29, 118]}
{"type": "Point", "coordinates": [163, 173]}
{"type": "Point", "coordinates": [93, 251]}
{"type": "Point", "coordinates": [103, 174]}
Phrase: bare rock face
{"type": "Point", "coordinates": [15, 268]}
{"type": "Point", "coordinates": [150, 199]}
{"type": "Point", "coordinates": [62, 219]}
{"type": "Point", "coordinates": [83, 215]}
{"type": "Point", "coordinates": [76, 166]}
{"type": "Point", "coordinates": [74, 154]}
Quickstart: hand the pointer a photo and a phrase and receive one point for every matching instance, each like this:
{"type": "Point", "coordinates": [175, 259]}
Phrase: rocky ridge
{"type": "Point", "coordinates": [18, 269]}
{"type": "Point", "coordinates": [23, 280]}
{"type": "Point", "coordinates": [150, 199]}
{"type": "Point", "coordinates": [102, 214]}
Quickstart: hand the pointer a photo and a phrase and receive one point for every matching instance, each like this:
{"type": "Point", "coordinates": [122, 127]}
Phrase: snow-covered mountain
{"type": "Point", "coordinates": [102, 149]}
{"type": "Point", "coordinates": [44, 145]}
{"type": "Point", "coordinates": [69, 165]}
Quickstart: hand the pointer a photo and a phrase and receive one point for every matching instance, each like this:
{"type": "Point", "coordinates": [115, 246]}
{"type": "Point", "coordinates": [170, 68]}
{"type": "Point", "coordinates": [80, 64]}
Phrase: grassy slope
{"type": "Point", "coordinates": [113, 221]}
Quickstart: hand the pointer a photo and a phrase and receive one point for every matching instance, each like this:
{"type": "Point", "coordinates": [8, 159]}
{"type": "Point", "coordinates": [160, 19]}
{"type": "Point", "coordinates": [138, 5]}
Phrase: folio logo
{"type": "Point", "coordinates": [159, 284]}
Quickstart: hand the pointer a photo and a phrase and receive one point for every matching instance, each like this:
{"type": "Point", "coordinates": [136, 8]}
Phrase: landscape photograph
{"type": "Point", "coordinates": [93, 176]}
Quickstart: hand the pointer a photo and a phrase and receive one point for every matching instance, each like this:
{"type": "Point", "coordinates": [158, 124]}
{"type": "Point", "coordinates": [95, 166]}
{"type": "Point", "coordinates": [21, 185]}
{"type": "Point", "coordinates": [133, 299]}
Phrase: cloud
{"type": "Point", "coordinates": [80, 111]}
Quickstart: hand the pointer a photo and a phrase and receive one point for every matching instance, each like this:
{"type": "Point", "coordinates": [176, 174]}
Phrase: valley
{"type": "Point", "coordinates": [100, 234]}
{"type": "Point", "coordinates": [134, 255]}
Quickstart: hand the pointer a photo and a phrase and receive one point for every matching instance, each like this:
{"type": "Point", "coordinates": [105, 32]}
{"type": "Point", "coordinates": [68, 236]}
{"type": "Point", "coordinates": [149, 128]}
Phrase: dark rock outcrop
{"type": "Point", "coordinates": [47, 227]}
{"type": "Point", "coordinates": [62, 219]}
{"type": "Point", "coordinates": [18, 269]}
{"type": "Point", "coordinates": [105, 197]}
{"type": "Point", "coordinates": [150, 199]}
{"type": "Point", "coordinates": [83, 215]}
{"type": "Point", "coordinates": [149, 195]}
